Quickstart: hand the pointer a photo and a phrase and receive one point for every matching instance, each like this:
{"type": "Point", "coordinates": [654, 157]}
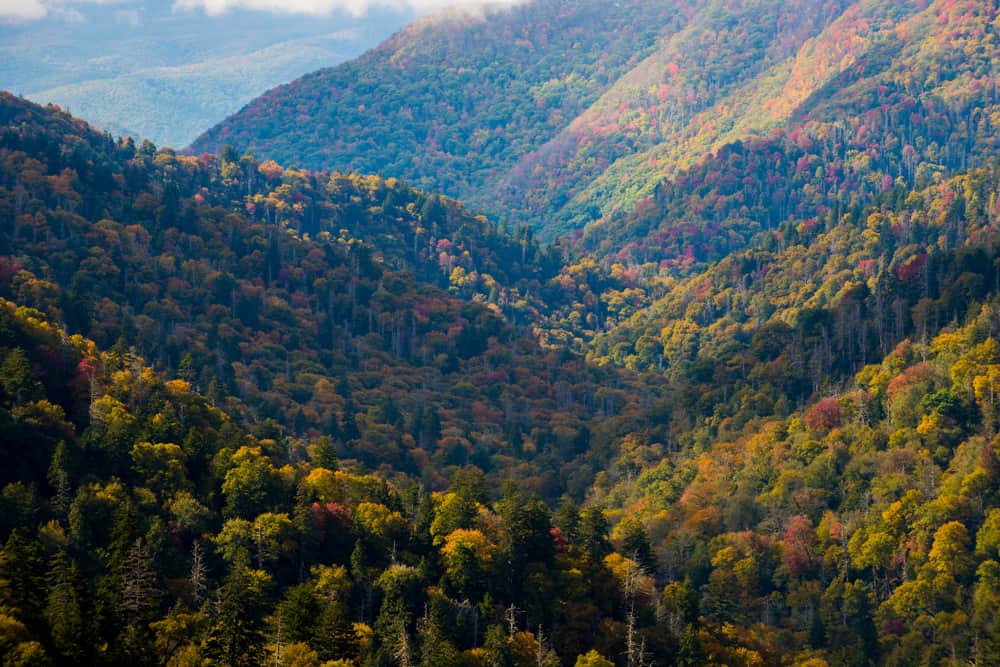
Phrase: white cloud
{"type": "Point", "coordinates": [16, 11]}
{"type": "Point", "coordinates": [323, 7]}
{"type": "Point", "coordinates": [22, 10]}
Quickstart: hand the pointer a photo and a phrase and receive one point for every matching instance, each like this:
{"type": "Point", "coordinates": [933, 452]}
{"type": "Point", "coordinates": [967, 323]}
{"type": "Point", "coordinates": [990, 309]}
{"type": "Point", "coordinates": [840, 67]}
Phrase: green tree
{"type": "Point", "coordinates": [846, 611]}
{"type": "Point", "coordinates": [593, 530]}
{"type": "Point", "coordinates": [24, 570]}
{"type": "Point", "coordinates": [236, 637]}
{"type": "Point", "coordinates": [252, 486]}
{"type": "Point", "coordinates": [160, 466]}
{"type": "Point", "coordinates": [17, 381]}
{"type": "Point", "coordinates": [64, 611]}
{"type": "Point", "coordinates": [636, 545]}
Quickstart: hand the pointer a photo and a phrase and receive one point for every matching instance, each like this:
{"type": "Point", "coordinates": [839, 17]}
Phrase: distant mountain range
{"type": "Point", "coordinates": [155, 73]}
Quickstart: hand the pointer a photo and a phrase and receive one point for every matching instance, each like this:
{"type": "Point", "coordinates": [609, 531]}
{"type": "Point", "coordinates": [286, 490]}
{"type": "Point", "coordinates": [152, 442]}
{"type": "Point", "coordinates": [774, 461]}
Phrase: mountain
{"type": "Point", "coordinates": [562, 146]}
{"type": "Point", "coordinates": [212, 501]}
{"type": "Point", "coordinates": [142, 525]}
{"type": "Point", "coordinates": [233, 394]}
{"type": "Point", "coordinates": [251, 412]}
{"type": "Point", "coordinates": [738, 75]}
{"type": "Point", "coordinates": [154, 72]}
{"type": "Point", "coordinates": [261, 287]}
{"type": "Point", "coordinates": [453, 100]}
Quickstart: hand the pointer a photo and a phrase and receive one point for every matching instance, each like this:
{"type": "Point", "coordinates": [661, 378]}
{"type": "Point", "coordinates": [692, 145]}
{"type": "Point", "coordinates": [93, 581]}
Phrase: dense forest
{"type": "Point", "coordinates": [218, 447]}
{"type": "Point", "coordinates": [325, 435]}
{"type": "Point", "coordinates": [508, 112]}
{"type": "Point", "coordinates": [454, 100]}
{"type": "Point", "coordinates": [252, 413]}
{"type": "Point", "coordinates": [261, 287]}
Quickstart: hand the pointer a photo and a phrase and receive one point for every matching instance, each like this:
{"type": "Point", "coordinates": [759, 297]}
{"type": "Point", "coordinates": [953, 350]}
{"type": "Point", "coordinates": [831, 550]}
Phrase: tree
{"type": "Point", "coordinates": [252, 485]}
{"type": "Point", "coordinates": [325, 454]}
{"type": "Point", "coordinates": [236, 637]}
{"type": "Point", "coordinates": [298, 654]}
{"type": "Point", "coordinates": [988, 537]}
{"type": "Point", "coordinates": [800, 546]}
{"type": "Point", "coordinates": [593, 531]}
{"type": "Point", "coordinates": [593, 659]}
{"type": "Point", "coordinates": [64, 611]}
{"type": "Point", "coordinates": [949, 555]}
{"type": "Point", "coordinates": [24, 569]}
{"type": "Point", "coordinates": [177, 637]}
{"type": "Point", "coordinates": [467, 556]}
{"type": "Point", "coordinates": [160, 466]}
{"type": "Point", "coordinates": [17, 381]}
{"type": "Point", "coordinates": [198, 577]}
{"type": "Point", "coordinates": [333, 635]}
{"type": "Point", "coordinates": [16, 645]}
{"type": "Point", "coordinates": [139, 589]}
{"type": "Point", "coordinates": [525, 538]}
{"type": "Point", "coordinates": [635, 545]}
{"type": "Point", "coordinates": [985, 622]}
{"type": "Point", "coordinates": [824, 416]}
{"type": "Point", "coordinates": [272, 539]}
{"type": "Point", "coordinates": [453, 511]}
{"type": "Point", "coordinates": [567, 519]}
{"type": "Point", "coordinates": [436, 650]}
{"type": "Point", "coordinates": [846, 611]}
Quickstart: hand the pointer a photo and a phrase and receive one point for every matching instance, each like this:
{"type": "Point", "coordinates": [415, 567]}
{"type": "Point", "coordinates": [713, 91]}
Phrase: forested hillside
{"type": "Point", "coordinates": [260, 286]}
{"type": "Point", "coordinates": [806, 474]}
{"type": "Point", "coordinates": [452, 101]}
{"type": "Point", "coordinates": [887, 89]}
{"type": "Point", "coordinates": [141, 525]}
{"type": "Point", "coordinates": [510, 114]}
{"type": "Point", "coordinates": [745, 413]}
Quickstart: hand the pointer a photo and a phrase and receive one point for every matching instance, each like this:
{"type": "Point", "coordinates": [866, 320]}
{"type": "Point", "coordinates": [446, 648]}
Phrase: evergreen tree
{"type": "Point", "coordinates": [236, 638]}
{"type": "Point", "coordinates": [64, 611]}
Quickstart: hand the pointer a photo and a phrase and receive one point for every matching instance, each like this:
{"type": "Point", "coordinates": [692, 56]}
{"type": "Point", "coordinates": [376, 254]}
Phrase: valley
{"type": "Point", "coordinates": [560, 333]}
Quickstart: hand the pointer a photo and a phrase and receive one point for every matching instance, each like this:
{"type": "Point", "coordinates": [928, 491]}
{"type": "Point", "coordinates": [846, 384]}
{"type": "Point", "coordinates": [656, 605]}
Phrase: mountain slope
{"type": "Point", "coordinates": [807, 475]}
{"type": "Point", "coordinates": [453, 100]}
{"type": "Point", "coordinates": [258, 285]}
{"type": "Point", "coordinates": [141, 525]}
{"type": "Point", "coordinates": [573, 148]}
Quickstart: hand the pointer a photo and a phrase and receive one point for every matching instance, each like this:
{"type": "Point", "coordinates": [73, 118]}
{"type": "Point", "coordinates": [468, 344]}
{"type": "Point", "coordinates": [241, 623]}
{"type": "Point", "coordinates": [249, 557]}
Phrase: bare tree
{"type": "Point", "coordinates": [139, 590]}
{"type": "Point", "coordinates": [199, 573]}
{"type": "Point", "coordinates": [634, 650]}
{"type": "Point", "coordinates": [403, 653]}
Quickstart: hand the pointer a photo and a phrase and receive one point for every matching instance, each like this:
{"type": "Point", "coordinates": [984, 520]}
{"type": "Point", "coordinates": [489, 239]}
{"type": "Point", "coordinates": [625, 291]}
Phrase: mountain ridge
{"type": "Point", "coordinates": [761, 384]}
{"type": "Point", "coordinates": [797, 462]}
{"type": "Point", "coordinates": [604, 159]}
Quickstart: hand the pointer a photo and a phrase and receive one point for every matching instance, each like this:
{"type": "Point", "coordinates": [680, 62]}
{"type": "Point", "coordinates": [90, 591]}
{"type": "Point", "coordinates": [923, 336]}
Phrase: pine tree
{"type": "Point", "coordinates": [636, 545]}
{"type": "Point", "coordinates": [333, 635]}
{"type": "Point", "coordinates": [24, 569]}
{"type": "Point", "coordinates": [236, 638]}
{"type": "Point", "coordinates": [64, 610]}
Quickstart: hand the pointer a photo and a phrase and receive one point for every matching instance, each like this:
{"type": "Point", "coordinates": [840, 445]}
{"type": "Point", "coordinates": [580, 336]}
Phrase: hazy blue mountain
{"type": "Point", "coordinates": [143, 69]}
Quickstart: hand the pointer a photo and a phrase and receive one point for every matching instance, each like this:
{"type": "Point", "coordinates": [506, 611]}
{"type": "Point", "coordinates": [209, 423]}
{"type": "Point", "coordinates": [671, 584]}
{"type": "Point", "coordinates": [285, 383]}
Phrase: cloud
{"type": "Point", "coordinates": [22, 10]}
{"type": "Point", "coordinates": [17, 11]}
{"type": "Point", "coordinates": [323, 7]}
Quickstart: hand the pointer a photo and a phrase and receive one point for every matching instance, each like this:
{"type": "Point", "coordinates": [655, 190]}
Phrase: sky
{"type": "Point", "coordinates": [16, 11]}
